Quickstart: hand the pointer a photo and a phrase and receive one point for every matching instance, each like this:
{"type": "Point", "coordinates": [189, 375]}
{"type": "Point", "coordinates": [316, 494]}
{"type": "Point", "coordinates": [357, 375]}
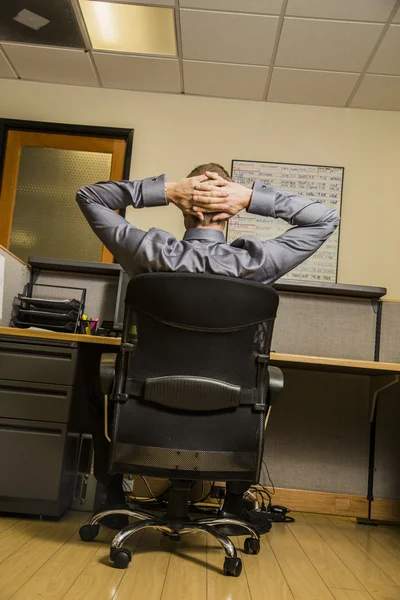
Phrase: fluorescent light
{"type": "Point", "coordinates": [130, 28]}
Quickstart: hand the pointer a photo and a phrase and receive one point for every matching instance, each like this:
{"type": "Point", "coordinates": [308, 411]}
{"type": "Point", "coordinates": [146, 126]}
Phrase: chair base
{"type": "Point", "coordinates": [173, 528]}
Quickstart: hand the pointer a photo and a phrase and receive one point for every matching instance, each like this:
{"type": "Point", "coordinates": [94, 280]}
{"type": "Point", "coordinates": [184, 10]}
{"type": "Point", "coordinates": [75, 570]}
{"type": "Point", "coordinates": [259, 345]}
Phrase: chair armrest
{"type": "Point", "coordinates": [107, 372]}
{"type": "Point", "coordinates": [275, 387]}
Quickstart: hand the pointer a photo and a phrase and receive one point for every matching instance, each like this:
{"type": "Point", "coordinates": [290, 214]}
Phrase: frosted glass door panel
{"type": "Point", "coordinates": [47, 221]}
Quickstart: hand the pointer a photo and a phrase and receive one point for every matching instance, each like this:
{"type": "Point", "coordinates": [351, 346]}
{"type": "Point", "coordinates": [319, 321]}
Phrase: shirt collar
{"type": "Point", "coordinates": [204, 233]}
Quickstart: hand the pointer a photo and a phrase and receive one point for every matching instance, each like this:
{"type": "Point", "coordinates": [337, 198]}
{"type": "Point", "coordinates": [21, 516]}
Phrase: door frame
{"type": "Point", "coordinates": [125, 135]}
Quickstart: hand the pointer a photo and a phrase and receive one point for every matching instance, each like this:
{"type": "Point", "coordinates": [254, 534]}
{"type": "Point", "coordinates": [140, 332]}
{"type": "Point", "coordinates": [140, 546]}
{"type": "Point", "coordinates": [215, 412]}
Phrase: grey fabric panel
{"type": "Point", "coordinates": [101, 291]}
{"type": "Point", "coordinates": [318, 433]}
{"type": "Point", "coordinates": [387, 448]}
{"type": "Point", "coordinates": [325, 326]}
{"type": "Point", "coordinates": [390, 332]}
{"type": "Point", "coordinates": [16, 275]}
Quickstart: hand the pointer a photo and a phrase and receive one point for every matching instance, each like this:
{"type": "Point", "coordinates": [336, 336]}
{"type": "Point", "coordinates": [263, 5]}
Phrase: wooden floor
{"type": "Point", "coordinates": [315, 558]}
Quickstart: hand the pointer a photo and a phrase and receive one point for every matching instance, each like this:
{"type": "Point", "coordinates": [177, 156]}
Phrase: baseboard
{"type": "Point", "coordinates": [385, 510]}
{"type": "Point", "coordinates": [345, 505]}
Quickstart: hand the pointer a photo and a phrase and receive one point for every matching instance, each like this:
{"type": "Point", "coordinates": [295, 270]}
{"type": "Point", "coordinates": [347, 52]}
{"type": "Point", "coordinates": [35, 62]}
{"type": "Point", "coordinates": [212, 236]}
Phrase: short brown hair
{"type": "Point", "coordinates": [216, 168]}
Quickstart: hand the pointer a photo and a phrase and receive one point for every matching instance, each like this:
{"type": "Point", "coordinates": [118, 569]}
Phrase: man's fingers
{"type": "Point", "coordinates": [208, 187]}
{"type": "Point", "coordinates": [201, 178]}
{"type": "Point", "coordinates": [212, 207]}
{"type": "Point", "coordinates": [197, 213]}
{"type": "Point", "coordinates": [215, 176]}
{"type": "Point", "coordinates": [220, 217]}
{"type": "Point", "coordinates": [206, 197]}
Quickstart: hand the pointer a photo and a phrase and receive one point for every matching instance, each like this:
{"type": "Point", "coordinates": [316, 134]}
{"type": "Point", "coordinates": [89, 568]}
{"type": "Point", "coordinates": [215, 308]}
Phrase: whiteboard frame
{"type": "Point", "coordinates": [275, 162]}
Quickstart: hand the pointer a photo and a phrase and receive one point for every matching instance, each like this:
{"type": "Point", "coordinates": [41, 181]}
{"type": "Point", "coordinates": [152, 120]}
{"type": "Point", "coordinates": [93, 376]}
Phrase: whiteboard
{"type": "Point", "coordinates": [320, 183]}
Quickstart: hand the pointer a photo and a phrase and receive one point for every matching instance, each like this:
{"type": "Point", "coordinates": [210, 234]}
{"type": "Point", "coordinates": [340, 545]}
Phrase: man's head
{"type": "Point", "coordinates": [192, 221]}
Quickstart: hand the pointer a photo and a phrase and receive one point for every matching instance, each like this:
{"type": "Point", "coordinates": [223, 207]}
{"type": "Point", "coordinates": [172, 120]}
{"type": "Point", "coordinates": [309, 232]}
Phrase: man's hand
{"type": "Point", "coordinates": [182, 193]}
{"type": "Point", "coordinates": [237, 197]}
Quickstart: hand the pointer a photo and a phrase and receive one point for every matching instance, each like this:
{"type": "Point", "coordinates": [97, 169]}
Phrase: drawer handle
{"type": "Point", "coordinates": [25, 429]}
{"type": "Point", "coordinates": [55, 355]}
{"type": "Point", "coordinates": [16, 389]}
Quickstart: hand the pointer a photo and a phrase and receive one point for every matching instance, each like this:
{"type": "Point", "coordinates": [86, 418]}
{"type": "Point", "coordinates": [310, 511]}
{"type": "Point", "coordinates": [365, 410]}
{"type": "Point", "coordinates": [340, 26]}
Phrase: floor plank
{"type": "Point", "coordinates": [302, 577]}
{"type": "Point", "coordinates": [362, 536]}
{"type": "Point", "coordinates": [383, 592]}
{"type": "Point", "coordinates": [359, 564]}
{"type": "Point", "coordinates": [264, 575]}
{"type": "Point", "coordinates": [18, 568]}
{"type": "Point", "coordinates": [332, 570]}
{"type": "Point", "coordinates": [146, 574]}
{"type": "Point", "coordinates": [16, 536]}
{"type": "Point", "coordinates": [351, 595]}
{"type": "Point", "coordinates": [6, 522]}
{"type": "Point", "coordinates": [220, 587]}
{"type": "Point", "coordinates": [187, 573]}
{"type": "Point", "coordinates": [99, 580]}
{"type": "Point", "coordinates": [389, 537]}
{"type": "Point", "coordinates": [53, 580]}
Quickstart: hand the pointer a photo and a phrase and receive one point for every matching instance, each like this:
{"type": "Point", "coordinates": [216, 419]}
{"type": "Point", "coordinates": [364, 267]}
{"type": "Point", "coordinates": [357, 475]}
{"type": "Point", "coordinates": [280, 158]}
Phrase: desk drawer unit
{"type": "Point", "coordinates": [35, 401]}
{"type": "Point", "coordinates": [38, 451]}
{"type": "Point", "coordinates": [37, 363]}
{"type": "Point", "coordinates": [30, 458]}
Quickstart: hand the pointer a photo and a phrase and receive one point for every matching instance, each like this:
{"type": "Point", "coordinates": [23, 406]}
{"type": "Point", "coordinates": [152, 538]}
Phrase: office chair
{"type": "Point", "coordinates": [192, 390]}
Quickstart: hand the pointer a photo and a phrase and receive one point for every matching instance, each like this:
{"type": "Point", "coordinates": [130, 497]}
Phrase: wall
{"type": "Point", "coordinates": [173, 133]}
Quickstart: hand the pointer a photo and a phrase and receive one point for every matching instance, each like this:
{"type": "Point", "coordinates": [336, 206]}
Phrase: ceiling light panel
{"type": "Point", "coordinates": [130, 28]}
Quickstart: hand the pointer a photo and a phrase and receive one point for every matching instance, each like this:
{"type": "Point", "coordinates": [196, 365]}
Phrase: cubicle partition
{"type": "Point", "coordinates": [325, 446]}
{"type": "Point", "coordinates": [323, 325]}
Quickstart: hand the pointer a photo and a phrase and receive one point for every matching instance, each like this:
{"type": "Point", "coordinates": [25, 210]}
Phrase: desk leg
{"type": "Point", "coordinates": [378, 384]}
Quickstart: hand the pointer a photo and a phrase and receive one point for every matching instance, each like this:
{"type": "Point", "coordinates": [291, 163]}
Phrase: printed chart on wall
{"type": "Point", "coordinates": [320, 183]}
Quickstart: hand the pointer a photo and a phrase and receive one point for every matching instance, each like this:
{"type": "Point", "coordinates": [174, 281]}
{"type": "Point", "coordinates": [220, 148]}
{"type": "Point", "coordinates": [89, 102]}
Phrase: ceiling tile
{"type": "Point", "coordinates": [326, 45]}
{"type": "Point", "coordinates": [53, 65]}
{"type": "Point", "coordinates": [227, 37]}
{"type": "Point", "coordinates": [351, 10]}
{"type": "Point", "coordinates": [216, 79]}
{"type": "Point", "coordinates": [387, 59]}
{"type": "Point", "coordinates": [5, 69]}
{"type": "Point", "coordinates": [150, 2]}
{"type": "Point", "coordinates": [397, 17]}
{"type": "Point", "coordinates": [62, 28]}
{"type": "Point", "coordinates": [321, 88]}
{"type": "Point", "coordinates": [378, 92]}
{"type": "Point", "coordinates": [130, 28]}
{"type": "Point", "coordinates": [262, 7]}
{"type": "Point", "coordinates": [143, 73]}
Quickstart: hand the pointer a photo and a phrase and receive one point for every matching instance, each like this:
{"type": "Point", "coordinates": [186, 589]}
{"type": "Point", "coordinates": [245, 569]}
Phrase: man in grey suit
{"type": "Point", "coordinates": [208, 198]}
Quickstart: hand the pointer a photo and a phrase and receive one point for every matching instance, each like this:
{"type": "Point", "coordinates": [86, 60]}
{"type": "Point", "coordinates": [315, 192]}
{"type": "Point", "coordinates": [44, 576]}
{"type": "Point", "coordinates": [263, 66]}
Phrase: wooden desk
{"type": "Point", "coordinates": [61, 337]}
{"type": "Point", "coordinates": [319, 363]}
{"type": "Point", "coordinates": [343, 365]}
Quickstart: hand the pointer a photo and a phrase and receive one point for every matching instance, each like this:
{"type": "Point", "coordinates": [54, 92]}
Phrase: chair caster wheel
{"type": "Point", "coordinates": [251, 546]}
{"type": "Point", "coordinates": [88, 532]}
{"type": "Point", "coordinates": [120, 557]}
{"type": "Point", "coordinates": [232, 567]}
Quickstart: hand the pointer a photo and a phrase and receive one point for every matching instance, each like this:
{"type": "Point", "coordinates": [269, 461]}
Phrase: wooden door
{"type": "Point", "coordinates": [17, 143]}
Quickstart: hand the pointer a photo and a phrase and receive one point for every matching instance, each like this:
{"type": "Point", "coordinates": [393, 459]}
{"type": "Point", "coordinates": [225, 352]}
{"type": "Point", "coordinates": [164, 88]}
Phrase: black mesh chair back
{"type": "Point", "coordinates": [192, 378]}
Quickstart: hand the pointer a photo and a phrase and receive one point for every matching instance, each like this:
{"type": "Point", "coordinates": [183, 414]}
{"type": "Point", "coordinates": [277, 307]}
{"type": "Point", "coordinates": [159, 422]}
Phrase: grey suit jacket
{"type": "Point", "coordinates": [205, 250]}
